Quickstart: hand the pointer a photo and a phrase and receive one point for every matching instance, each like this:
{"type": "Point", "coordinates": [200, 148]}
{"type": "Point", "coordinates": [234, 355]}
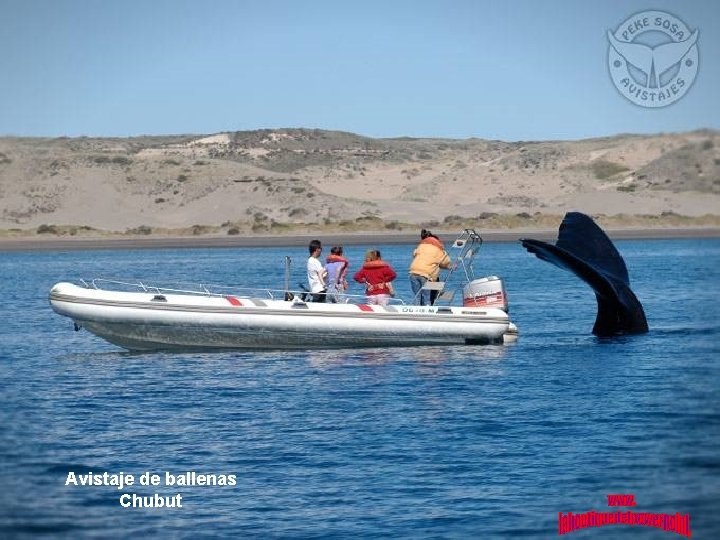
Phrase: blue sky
{"type": "Point", "coordinates": [516, 70]}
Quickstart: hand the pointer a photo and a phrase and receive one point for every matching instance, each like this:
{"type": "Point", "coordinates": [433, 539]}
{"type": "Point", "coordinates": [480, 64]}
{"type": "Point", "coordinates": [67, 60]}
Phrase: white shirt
{"type": "Point", "coordinates": [315, 273]}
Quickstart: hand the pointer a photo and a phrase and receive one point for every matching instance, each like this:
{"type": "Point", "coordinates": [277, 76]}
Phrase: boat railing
{"type": "Point", "coordinates": [211, 290]}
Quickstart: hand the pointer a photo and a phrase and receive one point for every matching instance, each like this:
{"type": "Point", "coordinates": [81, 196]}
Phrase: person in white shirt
{"type": "Point", "coordinates": [316, 273]}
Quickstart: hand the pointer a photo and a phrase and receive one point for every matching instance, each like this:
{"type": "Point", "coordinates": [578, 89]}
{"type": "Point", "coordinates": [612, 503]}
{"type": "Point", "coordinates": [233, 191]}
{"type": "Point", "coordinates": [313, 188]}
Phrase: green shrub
{"type": "Point", "coordinates": [198, 230]}
{"type": "Point", "coordinates": [605, 169]}
{"type": "Point", "coordinates": [452, 219]}
{"type": "Point", "coordinates": [46, 229]}
{"type": "Point", "coordinates": [142, 229]}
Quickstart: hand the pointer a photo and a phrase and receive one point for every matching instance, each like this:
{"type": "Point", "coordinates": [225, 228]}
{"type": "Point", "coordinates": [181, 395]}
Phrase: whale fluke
{"type": "Point", "coordinates": [584, 249]}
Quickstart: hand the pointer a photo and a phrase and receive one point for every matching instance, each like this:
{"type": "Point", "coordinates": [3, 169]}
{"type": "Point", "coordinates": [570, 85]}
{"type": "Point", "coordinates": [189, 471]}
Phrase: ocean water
{"type": "Point", "coordinates": [426, 442]}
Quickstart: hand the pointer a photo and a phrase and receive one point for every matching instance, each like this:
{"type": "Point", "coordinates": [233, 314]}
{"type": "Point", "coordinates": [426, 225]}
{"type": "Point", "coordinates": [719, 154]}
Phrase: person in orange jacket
{"type": "Point", "coordinates": [377, 275]}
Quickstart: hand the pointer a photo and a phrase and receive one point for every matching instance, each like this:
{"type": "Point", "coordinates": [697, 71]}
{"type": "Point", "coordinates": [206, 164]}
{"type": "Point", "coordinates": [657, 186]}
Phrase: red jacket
{"type": "Point", "coordinates": [375, 274]}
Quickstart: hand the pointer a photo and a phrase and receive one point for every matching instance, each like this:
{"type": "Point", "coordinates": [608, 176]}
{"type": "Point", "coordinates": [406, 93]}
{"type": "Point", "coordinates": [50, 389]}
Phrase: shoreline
{"type": "Point", "coordinates": [346, 239]}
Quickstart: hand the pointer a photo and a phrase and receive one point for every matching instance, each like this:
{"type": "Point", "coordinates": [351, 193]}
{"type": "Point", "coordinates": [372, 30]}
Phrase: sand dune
{"type": "Point", "coordinates": [295, 179]}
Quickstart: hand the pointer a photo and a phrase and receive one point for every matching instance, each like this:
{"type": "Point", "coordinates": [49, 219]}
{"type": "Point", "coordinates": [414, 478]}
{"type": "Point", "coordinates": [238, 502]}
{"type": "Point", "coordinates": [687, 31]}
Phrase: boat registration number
{"type": "Point", "coordinates": [418, 310]}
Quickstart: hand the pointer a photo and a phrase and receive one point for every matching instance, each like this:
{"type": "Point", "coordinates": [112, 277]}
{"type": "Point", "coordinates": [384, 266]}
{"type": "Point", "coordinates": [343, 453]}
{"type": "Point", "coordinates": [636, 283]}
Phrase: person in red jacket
{"type": "Point", "coordinates": [377, 275]}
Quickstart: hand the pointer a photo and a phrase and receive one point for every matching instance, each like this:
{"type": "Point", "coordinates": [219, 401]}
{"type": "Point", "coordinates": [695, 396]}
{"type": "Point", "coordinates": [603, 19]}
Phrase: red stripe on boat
{"type": "Point", "coordinates": [365, 307]}
{"type": "Point", "coordinates": [234, 301]}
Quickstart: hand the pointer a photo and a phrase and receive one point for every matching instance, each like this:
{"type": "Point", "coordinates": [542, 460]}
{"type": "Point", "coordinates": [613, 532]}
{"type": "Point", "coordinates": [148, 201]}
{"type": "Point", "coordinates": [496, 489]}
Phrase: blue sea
{"type": "Point", "coordinates": [426, 442]}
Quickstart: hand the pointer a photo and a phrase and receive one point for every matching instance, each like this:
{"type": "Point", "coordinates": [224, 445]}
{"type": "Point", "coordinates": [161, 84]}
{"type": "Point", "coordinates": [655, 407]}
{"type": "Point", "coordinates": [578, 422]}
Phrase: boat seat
{"type": "Point", "coordinates": [434, 285]}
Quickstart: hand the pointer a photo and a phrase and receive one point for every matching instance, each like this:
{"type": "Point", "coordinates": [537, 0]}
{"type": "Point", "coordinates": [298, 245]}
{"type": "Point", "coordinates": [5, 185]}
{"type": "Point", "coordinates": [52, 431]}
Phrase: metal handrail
{"type": "Point", "coordinates": [216, 290]}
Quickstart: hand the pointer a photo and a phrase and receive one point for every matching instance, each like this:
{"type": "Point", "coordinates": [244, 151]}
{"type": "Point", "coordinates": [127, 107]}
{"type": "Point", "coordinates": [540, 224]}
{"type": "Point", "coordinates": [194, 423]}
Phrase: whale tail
{"type": "Point", "coordinates": [584, 249]}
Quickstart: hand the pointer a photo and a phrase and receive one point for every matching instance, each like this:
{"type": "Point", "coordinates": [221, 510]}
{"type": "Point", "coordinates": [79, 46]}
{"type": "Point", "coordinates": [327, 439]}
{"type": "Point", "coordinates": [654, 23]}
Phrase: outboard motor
{"type": "Point", "coordinates": [486, 292]}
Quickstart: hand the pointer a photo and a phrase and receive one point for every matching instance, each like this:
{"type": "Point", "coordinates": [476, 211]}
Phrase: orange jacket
{"type": "Point", "coordinates": [428, 258]}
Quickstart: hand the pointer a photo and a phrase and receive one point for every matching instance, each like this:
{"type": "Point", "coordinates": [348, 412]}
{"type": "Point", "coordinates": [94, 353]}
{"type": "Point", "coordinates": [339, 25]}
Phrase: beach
{"type": "Point", "coordinates": [41, 243]}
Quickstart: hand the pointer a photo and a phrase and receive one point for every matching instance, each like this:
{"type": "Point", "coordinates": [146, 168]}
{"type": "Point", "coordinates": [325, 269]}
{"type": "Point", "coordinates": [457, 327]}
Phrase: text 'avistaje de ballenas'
{"type": "Point", "coordinates": [122, 481]}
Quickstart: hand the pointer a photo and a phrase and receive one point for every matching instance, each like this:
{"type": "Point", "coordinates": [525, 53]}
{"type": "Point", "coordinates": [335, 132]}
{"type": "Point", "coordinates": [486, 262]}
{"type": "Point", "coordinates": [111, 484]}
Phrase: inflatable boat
{"type": "Point", "coordinates": [159, 319]}
{"type": "Point", "coordinates": [139, 316]}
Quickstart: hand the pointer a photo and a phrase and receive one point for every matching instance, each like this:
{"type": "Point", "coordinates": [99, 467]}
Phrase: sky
{"type": "Point", "coordinates": [515, 70]}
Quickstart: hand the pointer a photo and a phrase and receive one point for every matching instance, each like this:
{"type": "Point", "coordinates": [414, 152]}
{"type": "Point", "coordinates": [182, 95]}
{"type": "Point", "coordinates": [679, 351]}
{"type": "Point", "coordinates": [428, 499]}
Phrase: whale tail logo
{"type": "Point", "coordinates": [584, 249]}
{"type": "Point", "coordinates": [653, 61]}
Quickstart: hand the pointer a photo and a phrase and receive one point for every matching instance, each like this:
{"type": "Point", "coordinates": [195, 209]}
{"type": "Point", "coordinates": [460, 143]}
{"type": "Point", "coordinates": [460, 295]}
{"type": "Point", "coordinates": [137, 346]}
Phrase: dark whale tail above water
{"type": "Point", "coordinates": [584, 249]}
